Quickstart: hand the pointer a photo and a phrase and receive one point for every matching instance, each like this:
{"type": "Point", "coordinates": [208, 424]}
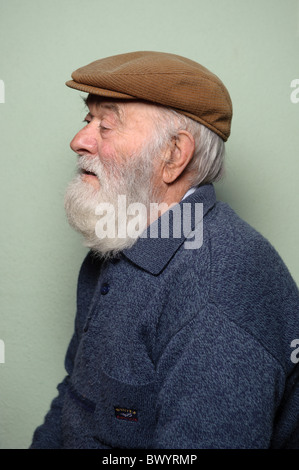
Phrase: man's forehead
{"type": "Point", "coordinates": [121, 108]}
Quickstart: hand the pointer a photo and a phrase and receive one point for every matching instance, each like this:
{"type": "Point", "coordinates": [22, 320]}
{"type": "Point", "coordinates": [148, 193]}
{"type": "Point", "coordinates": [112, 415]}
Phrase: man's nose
{"type": "Point", "coordinates": [84, 143]}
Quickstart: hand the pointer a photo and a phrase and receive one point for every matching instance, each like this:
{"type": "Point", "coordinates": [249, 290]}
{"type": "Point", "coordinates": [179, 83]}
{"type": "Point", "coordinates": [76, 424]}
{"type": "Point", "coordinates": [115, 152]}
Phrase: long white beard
{"type": "Point", "coordinates": [131, 179]}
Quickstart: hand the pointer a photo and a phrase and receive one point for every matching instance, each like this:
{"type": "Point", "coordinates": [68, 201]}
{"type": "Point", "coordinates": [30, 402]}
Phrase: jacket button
{"type": "Point", "coordinates": [105, 288]}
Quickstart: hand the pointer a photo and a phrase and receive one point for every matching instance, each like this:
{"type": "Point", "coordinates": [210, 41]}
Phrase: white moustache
{"type": "Point", "coordinates": [87, 165]}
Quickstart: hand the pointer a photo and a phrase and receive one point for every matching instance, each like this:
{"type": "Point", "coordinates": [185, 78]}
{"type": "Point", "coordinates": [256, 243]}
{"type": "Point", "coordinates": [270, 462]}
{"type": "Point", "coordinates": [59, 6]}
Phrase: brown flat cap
{"type": "Point", "coordinates": [166, 79]}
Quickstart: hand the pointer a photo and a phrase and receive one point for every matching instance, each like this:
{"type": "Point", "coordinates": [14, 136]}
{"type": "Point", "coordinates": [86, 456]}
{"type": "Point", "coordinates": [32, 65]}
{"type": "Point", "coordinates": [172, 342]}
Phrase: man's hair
{"type": "Point", "coordinates": [207, 164]}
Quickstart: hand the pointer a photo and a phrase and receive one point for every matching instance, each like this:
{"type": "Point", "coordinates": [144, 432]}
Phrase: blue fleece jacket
{"type": "Point", "coordinates": [182, 348]}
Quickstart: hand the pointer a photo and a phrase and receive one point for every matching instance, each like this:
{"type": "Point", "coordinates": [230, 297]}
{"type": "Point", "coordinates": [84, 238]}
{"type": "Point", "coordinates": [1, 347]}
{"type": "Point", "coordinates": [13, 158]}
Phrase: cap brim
{"type": "Point", "coordinates": [98, 91]}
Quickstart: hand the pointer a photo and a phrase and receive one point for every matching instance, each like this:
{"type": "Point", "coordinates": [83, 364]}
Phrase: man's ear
{"type": "Point", "coordinates": [178, 156]}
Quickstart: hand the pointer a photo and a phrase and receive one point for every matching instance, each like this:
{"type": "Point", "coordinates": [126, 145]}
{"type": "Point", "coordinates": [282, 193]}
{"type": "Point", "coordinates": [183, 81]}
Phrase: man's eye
{"type": "Point", "coordinates": [104, 128]}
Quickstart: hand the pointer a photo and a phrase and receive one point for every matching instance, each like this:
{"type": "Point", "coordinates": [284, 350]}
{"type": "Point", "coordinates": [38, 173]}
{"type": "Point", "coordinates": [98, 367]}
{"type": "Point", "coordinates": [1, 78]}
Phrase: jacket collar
{"type": "Point", "coordinates": [153, 253]}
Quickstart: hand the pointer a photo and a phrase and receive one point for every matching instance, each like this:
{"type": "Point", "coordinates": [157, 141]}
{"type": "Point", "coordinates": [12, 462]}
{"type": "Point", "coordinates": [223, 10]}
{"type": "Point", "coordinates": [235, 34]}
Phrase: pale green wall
{"type": "Point", "coordinates": [252, 45]}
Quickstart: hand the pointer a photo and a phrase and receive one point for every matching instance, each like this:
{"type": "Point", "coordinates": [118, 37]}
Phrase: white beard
{"type": "Point", "coordinates": [131, 178]}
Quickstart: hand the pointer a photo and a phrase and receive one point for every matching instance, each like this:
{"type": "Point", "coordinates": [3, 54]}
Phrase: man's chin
{"type": "Point", "coordinates": [81, 200]}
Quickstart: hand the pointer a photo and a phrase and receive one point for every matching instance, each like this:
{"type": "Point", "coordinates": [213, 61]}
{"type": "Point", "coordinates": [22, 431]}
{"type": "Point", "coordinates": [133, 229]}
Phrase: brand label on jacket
{"type": "Point", "coordinates": [126, 414]}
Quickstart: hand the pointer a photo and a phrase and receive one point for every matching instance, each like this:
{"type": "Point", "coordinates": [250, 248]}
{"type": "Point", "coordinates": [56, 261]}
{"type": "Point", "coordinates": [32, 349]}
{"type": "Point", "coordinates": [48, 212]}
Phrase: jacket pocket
{"type": "Point", "coordinates": [125, 414]}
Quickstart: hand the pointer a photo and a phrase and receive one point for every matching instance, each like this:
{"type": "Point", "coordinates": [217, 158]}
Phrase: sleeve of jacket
{"type": "Point", "coordinates": [219, 390]}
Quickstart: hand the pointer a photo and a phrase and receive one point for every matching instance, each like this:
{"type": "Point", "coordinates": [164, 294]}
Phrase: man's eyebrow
{"type": "Point", "coordinates": [106, 105]}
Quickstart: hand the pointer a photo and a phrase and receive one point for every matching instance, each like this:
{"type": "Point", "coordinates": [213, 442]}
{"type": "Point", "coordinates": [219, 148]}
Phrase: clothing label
{"type": "Point", "coordinates": [126, 414]}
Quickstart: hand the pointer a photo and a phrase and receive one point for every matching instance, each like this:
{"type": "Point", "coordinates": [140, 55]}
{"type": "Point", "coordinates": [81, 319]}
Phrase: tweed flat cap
{"type": "Point", "coordinates": [162, 78]}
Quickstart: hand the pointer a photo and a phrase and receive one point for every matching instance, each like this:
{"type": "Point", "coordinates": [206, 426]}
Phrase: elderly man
{"type": "Point", "coordinates": [185, 337]}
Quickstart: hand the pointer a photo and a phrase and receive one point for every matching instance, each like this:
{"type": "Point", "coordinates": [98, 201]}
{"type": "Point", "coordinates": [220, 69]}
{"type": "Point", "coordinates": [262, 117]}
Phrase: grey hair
{"type": "Point", "coordinates": [207, 164]}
